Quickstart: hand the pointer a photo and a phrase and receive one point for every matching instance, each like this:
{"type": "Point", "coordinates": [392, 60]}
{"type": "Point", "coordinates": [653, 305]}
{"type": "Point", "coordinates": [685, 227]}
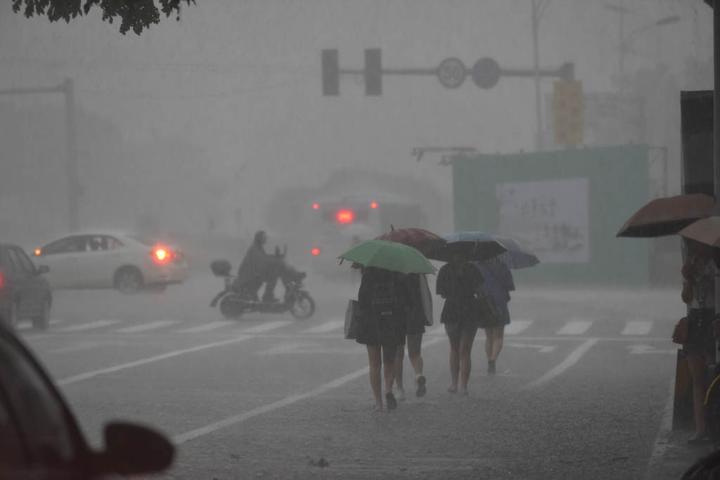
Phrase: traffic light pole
{"type": "Point", "coordinates": [71, 160]}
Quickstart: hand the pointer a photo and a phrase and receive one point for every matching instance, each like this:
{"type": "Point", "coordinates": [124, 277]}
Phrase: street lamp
{"type": "Point", "coordinates": [626, 39]}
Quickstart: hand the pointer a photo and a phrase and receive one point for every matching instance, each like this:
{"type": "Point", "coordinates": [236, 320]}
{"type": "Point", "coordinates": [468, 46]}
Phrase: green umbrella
{"type": "Point", "coordinates": [391, 256]}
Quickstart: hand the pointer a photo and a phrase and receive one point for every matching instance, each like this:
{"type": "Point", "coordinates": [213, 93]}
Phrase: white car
{"type": "Point", "coordinates": [111, 260]}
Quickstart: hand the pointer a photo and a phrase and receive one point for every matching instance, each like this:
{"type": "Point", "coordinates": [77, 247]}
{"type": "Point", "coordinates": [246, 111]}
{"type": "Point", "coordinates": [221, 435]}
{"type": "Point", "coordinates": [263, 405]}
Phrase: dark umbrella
{"type": "Point", "coordinates": [423, 240]}
{"type": "Point", "coordinates": [477, 246]}
{"type": "Point", "coordinates": [667, 216]}
{"type": "Point", "coordinates": [516, 256]}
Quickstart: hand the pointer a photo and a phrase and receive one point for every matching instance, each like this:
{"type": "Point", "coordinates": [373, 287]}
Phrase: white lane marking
{"type": "Point", "coordinates": [647, 349]}
{"type": "Point", "coordinates": [235, 419]}
{"type": "Point", "coordinates": [148, 326]}
{"type": "Point", "coordinates": [637, 327]}
{"type": "Point", "coordinates": [662, 438]}
{"type": "Point", "coordinates": [144, 361]}
{"type": "Point", "coordinates": [326, 327]}
{"type": "Point", "coordinates": [81, 347]}
{"type": "Point", "coordinates": [88, 326]}
{"type": "Point", "coordinates": [560, 368]}
{"type": "Point", "coordinates": [575, 327]}
{"type": "Point", "coordinates": [208, 326]}
{"type": "Point", "coordinates": [25, 326]}
{"type": "Point", "coordinates": [289, 400]}
{"type": "Point", "coordinates": [539, 348]}
{"type": "Point", "coordinates": [266, 327]}
{"type": "Point", "coordinates": [517, 326]}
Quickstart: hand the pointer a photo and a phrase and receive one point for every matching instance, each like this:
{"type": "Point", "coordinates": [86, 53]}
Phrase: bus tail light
{"type": "Point", "coordinates": [345, 216]}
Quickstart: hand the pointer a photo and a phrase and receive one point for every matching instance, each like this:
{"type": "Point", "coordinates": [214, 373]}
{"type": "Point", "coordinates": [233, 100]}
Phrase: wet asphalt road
{"type": "Point", "coordinates": [581, 391]}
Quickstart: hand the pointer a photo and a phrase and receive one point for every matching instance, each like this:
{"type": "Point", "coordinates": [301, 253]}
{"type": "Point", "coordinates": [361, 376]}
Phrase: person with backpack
{"type": "Point", "coordinates": [458, 283]}
{"type": "Point", "coordinates": [383, 300]}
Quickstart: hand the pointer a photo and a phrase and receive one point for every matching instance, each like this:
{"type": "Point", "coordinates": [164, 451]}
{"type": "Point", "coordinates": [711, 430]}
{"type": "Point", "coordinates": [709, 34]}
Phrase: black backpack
{"type": "Point", "coordinates": [384, 298]}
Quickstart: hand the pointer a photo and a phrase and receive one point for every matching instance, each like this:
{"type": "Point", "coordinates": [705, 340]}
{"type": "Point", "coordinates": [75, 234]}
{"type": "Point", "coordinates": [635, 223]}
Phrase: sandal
{"type": "Point", "coordinates": [390, 401]}
{"type": "Point", "coordinates": [421, 389]}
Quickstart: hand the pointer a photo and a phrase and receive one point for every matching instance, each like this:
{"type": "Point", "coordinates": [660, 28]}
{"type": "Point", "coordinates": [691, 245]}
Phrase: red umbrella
{"type": "Point", "coordinates": [423, 240]}
{"type": "Point", "coordinates": [667, 216]}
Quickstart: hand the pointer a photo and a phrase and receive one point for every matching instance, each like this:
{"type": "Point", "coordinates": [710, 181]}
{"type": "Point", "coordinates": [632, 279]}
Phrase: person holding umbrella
{"type": "Point", "coordinates": [420, 312]}
{"type": "Point", "coordinates": [497, 285]}
{"type": "Point", "coordinates": [419, 315]}
{"type": "Point", "coordinates": [384, 302]}
{"type": "Point", "coordinates": [458, 282]}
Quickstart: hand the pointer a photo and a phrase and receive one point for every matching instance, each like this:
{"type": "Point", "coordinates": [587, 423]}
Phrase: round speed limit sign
{"type": "Point", "coordinates": [451, 72]}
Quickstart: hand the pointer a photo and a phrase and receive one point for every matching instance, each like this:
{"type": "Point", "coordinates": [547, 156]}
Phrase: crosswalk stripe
{"type": "Point", "coordinates": [25, 326]}
{"type": "Point", "coordinates": [148, 326]}
{"type": "Point", "coordinates": [88, 326]}
{"type": "Point", "coordinates": [326, 327]}
{"type": "Point", "coordinates": [575, 327]}
{"type": "Point", "coordinates": [266, 327]}
{"type": "Point", "coordinates": [637, 327]}
{"type": "Point", "coordinates": [208, 326]}
{"type": "Point", "coordinates": [517, 326]}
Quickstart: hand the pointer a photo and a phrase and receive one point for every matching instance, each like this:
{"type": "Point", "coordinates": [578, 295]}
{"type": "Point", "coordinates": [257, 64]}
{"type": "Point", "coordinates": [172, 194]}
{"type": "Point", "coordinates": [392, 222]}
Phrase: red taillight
{"type": "Point", "coordinates": [315, 251]}
{"type": "Point", "coordinates": [316, 206]}
{"type": "Point", "coordinates": [373, 205]}
{"type": "Point", "coordinates": [345, 216]}
{"type": "Point", "coordinates": [2, 281]}
{"type": "Point", "coordinates": [161, 254]}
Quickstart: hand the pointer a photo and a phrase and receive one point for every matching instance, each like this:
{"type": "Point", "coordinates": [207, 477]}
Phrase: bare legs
{"type": "Point", "coordinates": [378, 356]}
{"type": "Point", "coordinates": [374, 362]}
{"type": "Point", "coordinates": [414, 346]}
{"type": "Point", "coordinates": [461, 341]}
{"type": "Point", "coordinates": [494, 337]}
{"type": "Point", "coordinates": [698, 370]}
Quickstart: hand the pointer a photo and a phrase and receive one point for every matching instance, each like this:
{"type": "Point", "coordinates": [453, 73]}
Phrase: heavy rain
{"type": "Point", "coordinates": [412, 239]}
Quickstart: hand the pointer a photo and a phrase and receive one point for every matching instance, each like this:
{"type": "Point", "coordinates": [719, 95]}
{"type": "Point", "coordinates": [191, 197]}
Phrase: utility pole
{"type": "Point", "coordinates": [71, 155]}
{"type": "Point", "coordinates": [67, 88]}
{"type": "Point", "coordinates": [536, 14]}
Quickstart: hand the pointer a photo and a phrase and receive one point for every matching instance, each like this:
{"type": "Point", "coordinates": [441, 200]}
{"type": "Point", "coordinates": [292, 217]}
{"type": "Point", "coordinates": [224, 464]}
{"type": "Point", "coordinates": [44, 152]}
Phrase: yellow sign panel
{"type": "Point", "coordinates": [568, 112]}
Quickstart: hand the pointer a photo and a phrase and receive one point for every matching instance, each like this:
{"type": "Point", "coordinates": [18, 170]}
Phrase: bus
{"type": "Point", "coordinates": [337, 222]}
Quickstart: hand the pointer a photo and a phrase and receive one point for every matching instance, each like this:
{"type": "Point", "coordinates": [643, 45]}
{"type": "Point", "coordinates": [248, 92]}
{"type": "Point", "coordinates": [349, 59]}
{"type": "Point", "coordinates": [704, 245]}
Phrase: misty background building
{"type": "Point", "coordinates": [199, 125]}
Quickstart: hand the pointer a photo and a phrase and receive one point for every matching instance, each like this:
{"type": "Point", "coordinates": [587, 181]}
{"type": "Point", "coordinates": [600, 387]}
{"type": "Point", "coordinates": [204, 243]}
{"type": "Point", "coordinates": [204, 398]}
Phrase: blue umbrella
{"type": "Point", "coordinates": [476, 246]}
{"type": "Point", "coordinates": [516, 256]}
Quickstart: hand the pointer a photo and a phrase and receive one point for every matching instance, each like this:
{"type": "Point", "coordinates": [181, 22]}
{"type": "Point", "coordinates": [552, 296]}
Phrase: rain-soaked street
{"type": "Point", "coordinates": [582, 388]}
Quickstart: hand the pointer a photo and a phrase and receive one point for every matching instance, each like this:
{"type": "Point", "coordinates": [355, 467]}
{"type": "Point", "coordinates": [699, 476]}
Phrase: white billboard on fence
{"type": "Point", "coordinates": [549, 217]}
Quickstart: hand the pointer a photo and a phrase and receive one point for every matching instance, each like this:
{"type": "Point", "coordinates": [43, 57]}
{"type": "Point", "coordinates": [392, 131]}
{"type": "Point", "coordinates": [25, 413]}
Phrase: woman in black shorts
{"type": "Point", "coordinates": [383, 300]}
{"type": "Point", "coordinates": [457, 283]}
{"type": "Point", "coordinates": [419, 315]}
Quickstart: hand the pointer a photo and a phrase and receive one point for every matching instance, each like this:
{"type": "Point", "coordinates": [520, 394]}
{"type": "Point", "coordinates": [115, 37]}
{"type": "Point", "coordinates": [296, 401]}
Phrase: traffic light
{"type": "Point", "coordinates": [373, 72]}
{"type": "Point", "coordinates": [568, 112]}
{"type": "Point", "coordinates": [330, 72]}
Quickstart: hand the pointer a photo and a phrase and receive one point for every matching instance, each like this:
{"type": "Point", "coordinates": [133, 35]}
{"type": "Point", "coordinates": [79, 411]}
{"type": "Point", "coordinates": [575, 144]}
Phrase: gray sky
{"type": "Point", "coordinates": [240, 80]}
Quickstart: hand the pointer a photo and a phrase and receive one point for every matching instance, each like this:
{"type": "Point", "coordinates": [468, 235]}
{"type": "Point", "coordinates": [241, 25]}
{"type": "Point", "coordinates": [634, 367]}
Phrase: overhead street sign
{"type": "Point", "coordinates": [486, 72]}
{"type": "Point", "coordinates": [451, 72]}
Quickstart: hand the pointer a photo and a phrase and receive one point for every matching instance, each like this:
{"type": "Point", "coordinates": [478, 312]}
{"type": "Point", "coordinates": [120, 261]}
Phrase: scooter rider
{"type": "Point", "coordinates": [258, 267]}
